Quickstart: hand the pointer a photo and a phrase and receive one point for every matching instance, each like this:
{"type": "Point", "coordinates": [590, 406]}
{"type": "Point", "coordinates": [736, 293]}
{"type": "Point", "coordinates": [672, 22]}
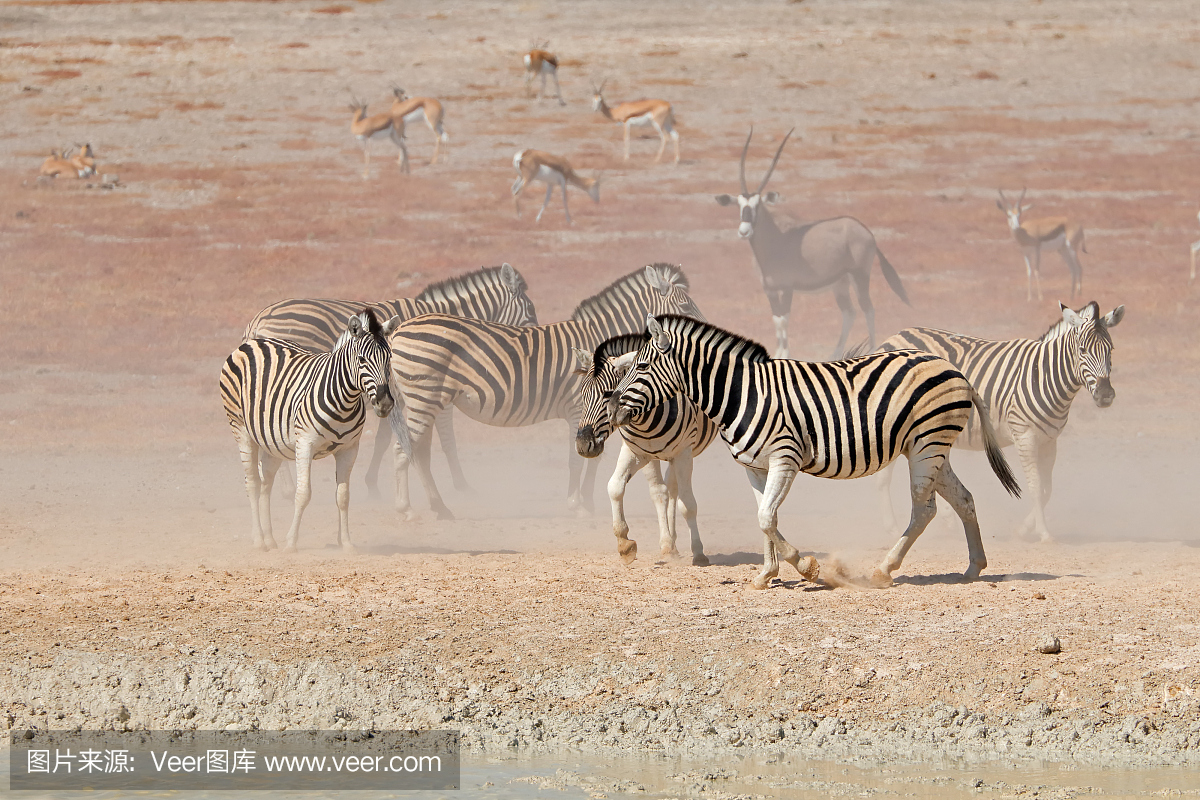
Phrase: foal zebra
{"type": "Point", "coordinates": [1028, 386]}
{"type": "Point", "coordinates": [286, 402]}
{"type": "Point", "coordinates": [675, 432]}
{"type": "Point", "coordinates": [837, 419]}
{"type": "Point", "coordinates": [512, 377]}
{"type": "Point", "coordinates": [496, 294]}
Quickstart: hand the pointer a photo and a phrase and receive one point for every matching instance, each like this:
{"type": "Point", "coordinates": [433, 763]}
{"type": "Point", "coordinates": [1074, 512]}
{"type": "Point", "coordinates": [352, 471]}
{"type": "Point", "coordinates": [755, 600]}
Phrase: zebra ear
{"type": "Point", "coordinates": [510, 277]}
{"type": "Point", "coordinates": [621, 364]}
{"type": "Point", "coordinates": [1114, 317]}
{"type": "Point", "coordinates": [583, 361]}
{"type": "Point", "coordinates": [390, 326]}
{"type": "Point", "coordinates": [657, 335]}
{"type": "Point", "coordinates": [355, 325]}
{"type": "Point", "coordinates": [1070, 317]}
{"type": "Point", "coordinates": [654, 279]}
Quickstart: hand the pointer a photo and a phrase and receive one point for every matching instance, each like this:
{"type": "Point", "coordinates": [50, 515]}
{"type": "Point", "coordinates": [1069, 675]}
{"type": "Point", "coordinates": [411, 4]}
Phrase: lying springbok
{"type": "Point", "coordinates": [63, 163]}
{"type": "Point", "coordinates": [539, 61]}
{"type": "Point", "coordinates": [1052, 233]}
{"type": "Point", "coordinates": [640, 112]}
{"type": "Point", "coordinates": [813, 257]}
{"type": "Point", "coordinates": [366, 128]}
{"type": "Point", "coordinates": [534, 165]}
{"type": "Point", "coordinates": [407, 109]}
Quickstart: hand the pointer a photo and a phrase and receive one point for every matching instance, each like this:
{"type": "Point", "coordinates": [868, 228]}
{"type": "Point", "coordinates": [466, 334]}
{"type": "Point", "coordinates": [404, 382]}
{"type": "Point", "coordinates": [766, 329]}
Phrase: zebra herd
{"type": "Point", "coordinates": [640, 359]}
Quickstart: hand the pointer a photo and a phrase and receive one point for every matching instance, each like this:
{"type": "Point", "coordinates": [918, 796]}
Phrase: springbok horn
{"type": "Point", "coordinates": [742, 164]}
{"type": "Point", "coordinates": [1003, 199]}
{"type": "Point", "coordinates": [1022, 200]}
{"type": "Point", "coordinates": [778, 152]}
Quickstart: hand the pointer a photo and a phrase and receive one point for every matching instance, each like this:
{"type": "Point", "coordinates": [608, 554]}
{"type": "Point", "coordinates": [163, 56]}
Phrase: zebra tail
{"type": "Point", "coordinates": [995, 455]}
{"type": "Point", "coordinates": [892, 277]}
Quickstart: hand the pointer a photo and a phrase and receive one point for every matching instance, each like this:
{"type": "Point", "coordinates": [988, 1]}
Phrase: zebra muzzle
{"type": "Point", "coordinates": [586, 443]}
{"type": "Point", "coordinates": [1104, 394]}
{"type": "Point", "coordinates": [382, 403]}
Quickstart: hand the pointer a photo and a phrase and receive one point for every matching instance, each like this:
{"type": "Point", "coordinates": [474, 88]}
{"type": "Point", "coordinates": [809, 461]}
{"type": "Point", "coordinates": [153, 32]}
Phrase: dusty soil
{"type": "Point", "coordinates": [129, 596]}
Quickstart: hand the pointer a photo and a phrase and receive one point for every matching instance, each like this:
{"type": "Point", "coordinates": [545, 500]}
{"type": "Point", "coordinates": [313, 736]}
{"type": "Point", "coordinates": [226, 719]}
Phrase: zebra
{"type": "Point", "coordinates": [1028, 386]}
{"type": "Point", "coordinates": [492, 293]}
{"type": "Point", "coordinates": [836, 419]}
{"type": "Point", "coordinates": [286, 402]}
{"type": "Point", "coordinates": [507, 376]}
{"type": "Point", "coordinates": [675, 432]}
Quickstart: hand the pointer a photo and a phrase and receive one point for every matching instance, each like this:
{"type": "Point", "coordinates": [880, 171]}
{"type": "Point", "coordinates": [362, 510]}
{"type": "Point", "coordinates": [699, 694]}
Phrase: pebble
{"type": "Point", "coordinates": [1049, 646]}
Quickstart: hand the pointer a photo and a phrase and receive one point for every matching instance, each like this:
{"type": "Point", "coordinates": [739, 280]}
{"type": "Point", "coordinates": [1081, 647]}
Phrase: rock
{"type": "Point", "coordinates": [1049, 645]}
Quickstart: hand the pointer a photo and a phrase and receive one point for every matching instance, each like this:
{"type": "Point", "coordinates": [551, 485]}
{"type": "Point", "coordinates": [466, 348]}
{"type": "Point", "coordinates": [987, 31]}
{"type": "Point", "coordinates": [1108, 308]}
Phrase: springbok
{"type": "Point", "coordinates": [1054, 233]}
{"type": "Point", "coordinates": [534, 165]}
{"type": "Point", "coordinates": [539, 61]}
{"type": "Point", "coordinates": [640, 112]}
{"type": "Point", "coordinates": [407, 109]}
{"type": "Point", "coordinates": [828, 254]}
{"type": "Point", "coordinates": [84, 161]}
{"type": "Point", "coordinates": [1195, 250]}
{"type": "Point", "coordinates": [62, 163]}
{"type": "Point", "coordinates": [366, 128]}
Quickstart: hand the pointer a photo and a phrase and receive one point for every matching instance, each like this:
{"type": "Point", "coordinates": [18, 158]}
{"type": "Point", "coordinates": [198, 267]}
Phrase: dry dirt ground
{"type": "Point", "coordinates": [128, 592]}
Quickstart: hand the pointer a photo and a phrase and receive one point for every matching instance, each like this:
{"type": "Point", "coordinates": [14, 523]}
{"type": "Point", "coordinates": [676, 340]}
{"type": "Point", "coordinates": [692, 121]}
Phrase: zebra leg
{"type": "Point", "coordinates": [422, 450]}
{"type": "Point", "coordinates": [921, 477]}
{"type": "Point", "coordinates": [344, 462]}
{"type": "Point", "coordinates": [681, 468]}
{"type": "Point", "coordinates": [444, 422]}
{"type": "Point", "coordinates": [887, 511]}
{"type": "Point", "coordinates": [841, 293]}
{"type": "Point", "coordinates": [628, 463]}
{"type": "Point", "coordinates": [950, 487]}
{"type": "Point", "coordinates": [270, 466]}
{"type": "Point", "coordinates": [672, 506]}
{"type": "Point", "coordinates": [249, 453]}
{"type": "Point", "coordinates": [403, 501]}
{"type": "Point", "coordinates": [660, 494]}
{"type": "Point", "coordinates": [304, 458]}
{"type": "Point", "coordinates": [1037, 458]}
{"type": "Point", "coordinates": [770, 488]}
{"type": "Point", "coordinates": [383, 435]}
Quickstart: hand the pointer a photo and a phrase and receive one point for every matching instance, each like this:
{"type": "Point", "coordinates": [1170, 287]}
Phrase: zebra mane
{"type": "Point", "coordinates": [1061, 327]}
{"type": "Point", "coordinates": [689, 327]}
{"type": "Point", "coordinates": [373, 327]}
{"type": "Point", "coordinates": [460, 285]}
{"type": "Point", "coordinates": [617, 346]}
{"type": "Point", "coordinates": [672, 273]}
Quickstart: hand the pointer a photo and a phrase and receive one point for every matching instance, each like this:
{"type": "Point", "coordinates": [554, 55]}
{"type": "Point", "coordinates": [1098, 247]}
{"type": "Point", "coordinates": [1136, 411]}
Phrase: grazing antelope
{"type": "Point", "coordinates": [1195, 250]}
{"type": "Point", "coordinates": [640, 112]}
{"type": "Point", "coordinates": [828, 254]}
{"type": "Point", "coordinates": [407, 109]}
{"type": "Point", "coordinates": [62, 164]}
{"type": "Point", "coordinates": [1054, 233]}
{"type": "Point", "coordinates": [365, 128]}
{"type": "Point", "coordinates": [541, 62]}
{"type": "Point", "coordinates": [534, 165]}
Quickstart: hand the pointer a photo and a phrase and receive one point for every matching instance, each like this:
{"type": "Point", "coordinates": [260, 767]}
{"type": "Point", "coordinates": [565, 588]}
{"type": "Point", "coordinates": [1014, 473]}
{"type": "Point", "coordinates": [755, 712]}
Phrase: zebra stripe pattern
{"type": "Point", "coordinates": [1028, 386]}
{"type": "Point", "coordinates": [497, 294]}
{"type": "Point", "coordinates": [839, 419]}
{"type": "Point", "coordinates": [506, 376]}
{"type": "Point", "coordinates": [288, 403]}
{"type": "Point", "coordinates": [675, 432]}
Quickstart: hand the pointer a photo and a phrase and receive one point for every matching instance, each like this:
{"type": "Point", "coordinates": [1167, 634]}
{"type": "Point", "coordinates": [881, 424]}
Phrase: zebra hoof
{"type": "Point", "coordinates": [880, 579]}
{"type": "Point", "coordinates": [290, 549]}
{"type": "Point", "coordinates": [808, 568]}
{"type": "Point", "coordinates": [349, 549]}
{"type": "Point", "coordinates": [700, 560]}
{"type": "Point", "coordinates": [445, 513]}
{"type": "Point", "coordinates": [761, 581]}
{"type": "Point", "coordinates": [627, 550]}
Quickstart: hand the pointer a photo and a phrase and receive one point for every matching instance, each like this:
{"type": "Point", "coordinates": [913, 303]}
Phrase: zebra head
{"type": "Point", "coordinates": [674, 292]}
{"type": "Point", "coordinates": [516, 308]}
{"type": "Point", "coordinates": [651, 379]}
{"type": "Point", "coordinates": [601, 372]}
{"type": "Point", "coordinates": [1093, 348]}
{"type": "Point", "coordinates": [367, 341]}
{"type": "Point", "coordinates": [749, 202]}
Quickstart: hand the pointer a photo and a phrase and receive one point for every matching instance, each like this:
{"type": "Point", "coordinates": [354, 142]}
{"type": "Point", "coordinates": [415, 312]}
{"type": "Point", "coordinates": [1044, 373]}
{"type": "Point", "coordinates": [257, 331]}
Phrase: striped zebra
{"type": "Point", "coordinates": [836, 419]}
{"type": "Point", "coordinates": [511, 377]}
{"type": "Point", "coordinates": [285, 402]}
{"type": "Point", "coordinates": [492, 293]}
{"type": "Point", "coordinates": [675, 432]}
{"type": "Point", "coordinates": [1028, 386]}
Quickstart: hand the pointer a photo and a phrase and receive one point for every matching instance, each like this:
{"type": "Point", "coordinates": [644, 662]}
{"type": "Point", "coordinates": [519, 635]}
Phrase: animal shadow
{"type": "Point", "coordinates": [958, 577]}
